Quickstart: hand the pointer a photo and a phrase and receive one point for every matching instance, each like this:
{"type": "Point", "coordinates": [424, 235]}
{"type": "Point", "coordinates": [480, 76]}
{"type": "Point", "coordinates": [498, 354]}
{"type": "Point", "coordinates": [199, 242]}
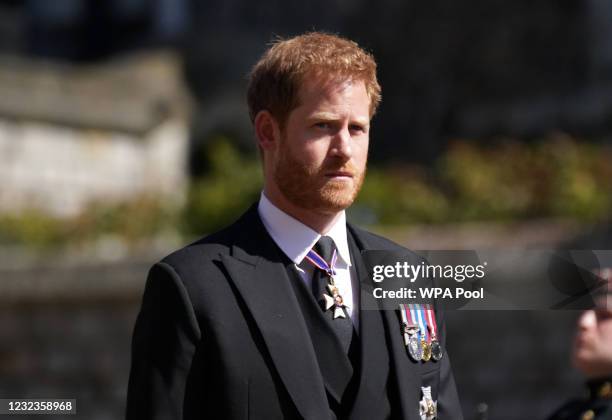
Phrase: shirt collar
{"type": "Point", "coordinates": [294, 238]}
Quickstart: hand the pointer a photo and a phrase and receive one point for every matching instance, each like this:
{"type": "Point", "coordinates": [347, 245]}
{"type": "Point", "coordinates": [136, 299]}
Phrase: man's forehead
{"type": "Point", "coordinates": [320, 87]}
{"type": "Point", "coordinates": [327, 82]}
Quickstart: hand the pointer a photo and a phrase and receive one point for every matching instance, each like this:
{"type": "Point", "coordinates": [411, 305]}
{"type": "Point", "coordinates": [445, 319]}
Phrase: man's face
{"type": "Point", "coordinates": [593, 344]}
{"type": "Point", "coordinates": [321, 158]}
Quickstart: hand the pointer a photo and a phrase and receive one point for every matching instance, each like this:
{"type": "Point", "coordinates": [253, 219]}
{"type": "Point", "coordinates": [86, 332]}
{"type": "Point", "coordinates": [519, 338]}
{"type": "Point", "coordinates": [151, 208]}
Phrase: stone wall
{"type": "Point", "coordinates": [62, 169]}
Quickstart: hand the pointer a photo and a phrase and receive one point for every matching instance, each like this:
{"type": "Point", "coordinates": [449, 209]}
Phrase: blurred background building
{"type": "Point", "coordinates": [73, 135]}
{"type": "Point", "coordinates": [124, 133]}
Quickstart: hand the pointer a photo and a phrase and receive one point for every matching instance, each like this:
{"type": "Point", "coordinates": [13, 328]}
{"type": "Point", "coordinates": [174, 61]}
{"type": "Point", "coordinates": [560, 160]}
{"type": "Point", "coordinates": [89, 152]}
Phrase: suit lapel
{"type": "Point", "coordinates": [403, 372]}
{"type": "Point", "coordinates": [257, 271]}
{"type": "Point", "coordinates": [374, 371]}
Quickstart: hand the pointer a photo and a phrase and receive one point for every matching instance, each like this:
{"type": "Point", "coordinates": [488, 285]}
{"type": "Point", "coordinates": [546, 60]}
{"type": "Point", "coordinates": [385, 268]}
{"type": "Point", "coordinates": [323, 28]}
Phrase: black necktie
{"type": "Point", "coordinates": [343, 327]}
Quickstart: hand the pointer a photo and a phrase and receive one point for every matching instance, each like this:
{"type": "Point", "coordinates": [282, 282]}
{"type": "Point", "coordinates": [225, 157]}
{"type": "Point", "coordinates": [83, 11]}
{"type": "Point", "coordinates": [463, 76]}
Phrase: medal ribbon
{"type": "Point", "coordinates": [406, 315]}
{"type": "Point", "coordinates": [321, 264]}
{"type": "Point", "coordinates": [405, 323]}
{"type": "Point", "coordinates": [432, 322]}
{"type": "Point", "coordinates": [422, 322]}
{"type": "Point", "coordinates": [416, 320]}
{"type": "Point", "coordinates": [403, 314]}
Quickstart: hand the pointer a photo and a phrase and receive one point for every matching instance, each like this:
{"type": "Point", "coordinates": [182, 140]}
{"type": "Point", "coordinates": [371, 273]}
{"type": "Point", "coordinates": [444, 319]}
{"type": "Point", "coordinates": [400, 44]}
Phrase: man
{"type": "Point", "coordinates": [262, 319]}
{"type": "Point", "coordinates": [592, 355]}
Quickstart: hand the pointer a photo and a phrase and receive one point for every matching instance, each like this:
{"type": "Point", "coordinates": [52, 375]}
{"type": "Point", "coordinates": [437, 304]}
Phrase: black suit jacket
{"type": "Point", "coordinates": [597, 405]}
{"type": "Point", "coordinates": [220, 335]}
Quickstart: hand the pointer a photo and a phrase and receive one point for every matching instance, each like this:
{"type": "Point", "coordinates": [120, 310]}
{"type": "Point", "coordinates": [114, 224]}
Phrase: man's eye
{"type": "Point", "coordinates": [357, 128]}
{"type": "Point", "coordinates": [322, 125]}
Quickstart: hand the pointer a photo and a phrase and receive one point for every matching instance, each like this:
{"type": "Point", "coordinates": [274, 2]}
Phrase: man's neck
{"type": "Point", "coordinates": [320, 222]}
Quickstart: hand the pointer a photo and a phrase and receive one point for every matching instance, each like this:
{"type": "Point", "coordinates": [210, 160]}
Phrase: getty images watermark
{"type": "Point", "coordinates": [486, 279]}
{"type": "Point", "coordinates": [412, 272]}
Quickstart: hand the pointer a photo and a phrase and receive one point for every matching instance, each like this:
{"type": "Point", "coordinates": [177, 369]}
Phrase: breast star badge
{"type": "Point", "coordinates": [428, 408]}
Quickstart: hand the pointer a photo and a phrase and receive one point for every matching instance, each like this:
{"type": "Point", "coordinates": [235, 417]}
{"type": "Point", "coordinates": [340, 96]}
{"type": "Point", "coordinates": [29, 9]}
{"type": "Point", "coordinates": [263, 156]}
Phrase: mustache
{"type": "Point", "coordinates": [348, 167]}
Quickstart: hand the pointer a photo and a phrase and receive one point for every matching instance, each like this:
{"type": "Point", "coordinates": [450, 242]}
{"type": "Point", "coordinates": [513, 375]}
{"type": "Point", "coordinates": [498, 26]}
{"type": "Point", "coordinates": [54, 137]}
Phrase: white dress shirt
{"type": "Point", "coordinates": [295, 239]}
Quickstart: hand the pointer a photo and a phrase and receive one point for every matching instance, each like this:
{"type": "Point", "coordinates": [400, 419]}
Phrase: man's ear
{"type": "Point", "coordinates": [267, 130]}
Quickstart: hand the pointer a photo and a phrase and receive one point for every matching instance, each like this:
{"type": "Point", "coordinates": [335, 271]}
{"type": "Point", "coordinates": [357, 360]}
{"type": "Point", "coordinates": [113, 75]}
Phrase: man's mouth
{"type": "Point", "coordinates": [340, 175]}
{"type": "Point", "coordinates": [581, 340]}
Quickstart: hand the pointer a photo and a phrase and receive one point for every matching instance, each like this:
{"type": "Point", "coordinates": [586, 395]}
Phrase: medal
{"type": "Point", "coordinates": [333, 299]}
{"type": "Point", "coordinates": [426, 351]}
{"type": "Point", "coordinates": [428, 408]}
{"type": "Point", "coordinates": [436, 348]}
{"type": "Point", "coordinates": [415, 349]}
{"type": "Point", "coordinates": [410, 331]}
{"type": "Point", "coordinates": [419, 312]}
{"type": "Point", "coordinates": [420, 332]}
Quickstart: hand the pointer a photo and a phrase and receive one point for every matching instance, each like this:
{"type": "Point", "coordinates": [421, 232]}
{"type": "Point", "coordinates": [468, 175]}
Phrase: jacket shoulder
{"type": "Point", "coordinates": [374, 242]}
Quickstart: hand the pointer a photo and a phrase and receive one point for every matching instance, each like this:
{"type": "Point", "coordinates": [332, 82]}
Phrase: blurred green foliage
{"type": "Point", "coordinates": [557, 178]}
{"type": "Point", "coordinates": [502, 181]}
{"type": "Point", "coordinates": [400, 195]}
{"type": "Point", "coordinates": [133, 221]}
{"type": "Point", "coordinates": [32, 228]}
{"type": "Point", "coordinates": [507, 180]}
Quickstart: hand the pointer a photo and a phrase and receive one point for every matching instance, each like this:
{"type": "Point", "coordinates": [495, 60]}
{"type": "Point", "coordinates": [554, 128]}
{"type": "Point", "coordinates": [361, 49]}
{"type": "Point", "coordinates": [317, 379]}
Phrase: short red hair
{"type": "Point", "coordinates": [275, 80]}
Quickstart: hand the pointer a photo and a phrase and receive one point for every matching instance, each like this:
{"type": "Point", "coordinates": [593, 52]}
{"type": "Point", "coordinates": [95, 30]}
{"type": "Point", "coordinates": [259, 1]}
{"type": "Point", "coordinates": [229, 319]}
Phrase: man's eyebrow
{"type": "Point", "coordinates": [324, 116]}
{"type": "Point", "coordinates": [362, 121]}
{"type": "Point", "coordinates": [330, 116]}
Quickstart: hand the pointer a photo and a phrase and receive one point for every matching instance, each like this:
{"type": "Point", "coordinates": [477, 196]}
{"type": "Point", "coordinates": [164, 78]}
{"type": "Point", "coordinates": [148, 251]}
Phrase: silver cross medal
{"type": "Point", "coordinates": [334, 299]}
{"type": "Point", "coordinates": [428, 408]}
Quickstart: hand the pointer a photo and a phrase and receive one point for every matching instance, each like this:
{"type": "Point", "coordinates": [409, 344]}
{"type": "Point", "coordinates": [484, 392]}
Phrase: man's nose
{"type": "Point", "coordinates": [587, 320]}
{"type": "Point", "coordinates": [341, 144]}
